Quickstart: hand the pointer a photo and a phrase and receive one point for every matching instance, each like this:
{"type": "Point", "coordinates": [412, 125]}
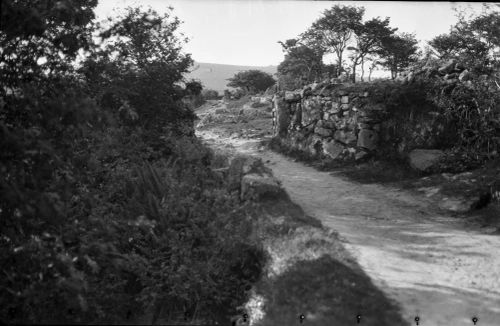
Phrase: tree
{"type": "Point", "coordinates": [457, 43]}
{"type": "Point", "coordinates": [142, 52]}
{"type": "Point", "coordinates": [398, 51]}
{"type": "Point", "coordinates": [369, 37]}
{"type": "Point", "coordinates": [41, 38]}
{"type": "Point", "coordinates": [473, 39]}
{"type": "Point", "coordinates": [301, 62]}
{"type": "Point", "coordinates": [332, 32]}
{"type": "Point", "coordinates": [252, 81]}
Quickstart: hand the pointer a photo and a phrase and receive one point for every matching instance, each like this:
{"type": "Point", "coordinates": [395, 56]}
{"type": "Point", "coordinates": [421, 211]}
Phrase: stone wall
{"type": "Point", "coordinates": [332, 120]}
{"type": "Point", "coordinates": [355, 121]}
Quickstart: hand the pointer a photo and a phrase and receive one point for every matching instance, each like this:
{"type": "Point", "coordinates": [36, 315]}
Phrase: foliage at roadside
{"type": "Point", "coordinates": [109, 207]}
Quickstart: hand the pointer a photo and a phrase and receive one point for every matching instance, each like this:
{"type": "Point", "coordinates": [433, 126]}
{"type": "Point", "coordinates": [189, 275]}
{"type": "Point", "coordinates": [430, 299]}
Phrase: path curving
{"type": "Point", "coordinates": [432, 265]}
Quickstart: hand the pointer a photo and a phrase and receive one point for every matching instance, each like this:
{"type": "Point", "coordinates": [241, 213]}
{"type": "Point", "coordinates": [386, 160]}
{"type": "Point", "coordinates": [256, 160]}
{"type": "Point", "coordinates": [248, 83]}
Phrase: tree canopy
{"type": "Point", "coordinates": [333, 31]}
{"type": "Point", "coordinates": [398, 51]}
{"type": "Point", "coordinates": [370, 38]}
{"type": "Point", "coordinates": [473, 39]}
{"type": "Point", "coordinates": [251, 81]}
{"type": "Point", "coordinates": [301, 62]}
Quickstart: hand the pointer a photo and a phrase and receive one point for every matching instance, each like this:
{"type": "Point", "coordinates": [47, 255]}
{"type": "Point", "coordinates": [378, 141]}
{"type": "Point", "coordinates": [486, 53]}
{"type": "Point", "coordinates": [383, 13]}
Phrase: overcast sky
{"type": "Point", "coordinates": [244, 32]}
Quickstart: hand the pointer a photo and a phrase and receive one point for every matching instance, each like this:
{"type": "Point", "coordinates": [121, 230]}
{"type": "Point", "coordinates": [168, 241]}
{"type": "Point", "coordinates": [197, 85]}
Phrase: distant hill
{"type": "Point", "coordinates": [214, 75]}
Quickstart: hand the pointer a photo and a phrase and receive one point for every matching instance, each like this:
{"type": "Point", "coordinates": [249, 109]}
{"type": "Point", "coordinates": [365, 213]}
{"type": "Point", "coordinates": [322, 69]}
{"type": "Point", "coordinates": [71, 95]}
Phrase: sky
{"type": "Point", "coordinates": [245, 32]}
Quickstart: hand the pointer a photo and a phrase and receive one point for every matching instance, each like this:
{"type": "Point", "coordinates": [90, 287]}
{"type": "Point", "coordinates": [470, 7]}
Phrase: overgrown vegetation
{"type": "Point", "coordinates": [109, 208]}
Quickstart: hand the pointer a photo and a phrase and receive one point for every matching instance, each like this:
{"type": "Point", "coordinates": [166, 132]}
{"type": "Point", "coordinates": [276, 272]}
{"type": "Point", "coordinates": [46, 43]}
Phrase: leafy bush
{"type": "Point", "coordinates": [251, 81]}
{"type": "Point", "coordinates": [210, 94]}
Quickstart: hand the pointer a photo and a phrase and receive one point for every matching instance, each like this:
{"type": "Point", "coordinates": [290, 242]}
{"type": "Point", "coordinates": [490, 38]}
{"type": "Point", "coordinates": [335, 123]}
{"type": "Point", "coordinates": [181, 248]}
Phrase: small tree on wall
{"type": "Point", "coordinates": [251, 81]}
{"type": "Point", "coordinates": [333, 31]}
{"type": "Point", "coordinates": [398, 52]}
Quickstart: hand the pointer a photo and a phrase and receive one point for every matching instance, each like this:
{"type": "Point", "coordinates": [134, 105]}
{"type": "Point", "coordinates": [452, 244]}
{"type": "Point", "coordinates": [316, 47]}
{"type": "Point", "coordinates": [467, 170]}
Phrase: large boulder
{"type": "Point", "coordinates": [423, 159]}
{"type": "Point", "coordinates": [367, 139]}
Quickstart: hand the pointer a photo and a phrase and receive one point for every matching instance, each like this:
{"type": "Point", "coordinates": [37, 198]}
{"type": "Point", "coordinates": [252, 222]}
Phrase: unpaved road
{"type": "Point", "coordinates": [431, 264]}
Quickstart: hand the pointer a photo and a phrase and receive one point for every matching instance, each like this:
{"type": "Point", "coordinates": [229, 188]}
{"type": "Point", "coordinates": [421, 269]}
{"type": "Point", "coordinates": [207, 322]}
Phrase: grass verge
{"type": "Point", "coordinates": [310, 273]}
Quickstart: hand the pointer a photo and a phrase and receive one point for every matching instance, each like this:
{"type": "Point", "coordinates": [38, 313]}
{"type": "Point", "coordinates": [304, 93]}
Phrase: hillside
{"type": "Point", "coordinates": [214, 75]}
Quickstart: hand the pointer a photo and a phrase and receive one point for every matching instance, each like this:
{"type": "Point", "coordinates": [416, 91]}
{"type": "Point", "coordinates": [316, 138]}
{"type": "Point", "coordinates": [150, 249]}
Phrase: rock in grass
{"type": "Point", "coordinates": [423, 159]}
{"type": "Point", "coordinates": [257, 187]}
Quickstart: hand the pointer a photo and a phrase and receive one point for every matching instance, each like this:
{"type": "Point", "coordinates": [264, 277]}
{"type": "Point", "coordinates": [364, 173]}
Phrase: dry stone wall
{"type": "Point", "coordinates": [391, 118]}
{"type": "Point", "coordinates": [332, 120]}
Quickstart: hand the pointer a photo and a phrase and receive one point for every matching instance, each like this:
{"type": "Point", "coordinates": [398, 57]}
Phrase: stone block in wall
{"type": "Point", "coordinates": [324, 132]}
{"type": "Point", "coordinates": [370, 120]}
{"type": "Point", "coordinates": [283, 116]}
{"type": "Point", "coordinates": [447, 67]}
{"type": "Point", "coordinates": [306, 91]}
{"type": "Point", "coordinates": [328, 124]}
{"type": "Point", "coordinates": [334, 108]}
{"type": "Point", "coordinates": [314, 145]}
{"type": "Point", "coordinates": [362, 125]}
{"type": "Point", "coordinates": [296, 119]}
{"type": "Point", "coordinates": [317, 87]}
{"type": "Point", "coordinates": [332, 149]}
{"type": "Point", "coordinates": [345, 137]}
{"type": "Point", "coordinates": [423, 159]}
{"type": "Point", "coordinates": [367, 139]}
{"type": "Point", "coordinates": [465, 75]}
{"type": "Point", "coordinates": [292, 96]}
{"type": "Point", "coordinates": [311, 111]}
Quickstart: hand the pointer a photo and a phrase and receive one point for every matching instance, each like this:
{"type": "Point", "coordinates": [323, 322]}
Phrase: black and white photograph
{"type": "Point", "coordinates": [249, 163]}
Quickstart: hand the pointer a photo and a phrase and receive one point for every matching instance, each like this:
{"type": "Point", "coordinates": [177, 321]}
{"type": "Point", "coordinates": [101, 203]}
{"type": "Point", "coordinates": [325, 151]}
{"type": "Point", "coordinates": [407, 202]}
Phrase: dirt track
{"type": "Point", "coordinates": [432, 265]}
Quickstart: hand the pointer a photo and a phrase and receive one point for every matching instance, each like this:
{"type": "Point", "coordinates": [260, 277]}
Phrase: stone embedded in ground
{"type": "Point", "coordinates": [423, 159]}
{"type": "Point", "coordinates": [256, 186]}
{"type": "Point", "coordinates": [241, 165]}
{"type": "Point", "coordinates": [361, 155]}
{"type": "Point", "coordinates": [367, 139]}
{"type": "Point", "coordinates": [458, 205]}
